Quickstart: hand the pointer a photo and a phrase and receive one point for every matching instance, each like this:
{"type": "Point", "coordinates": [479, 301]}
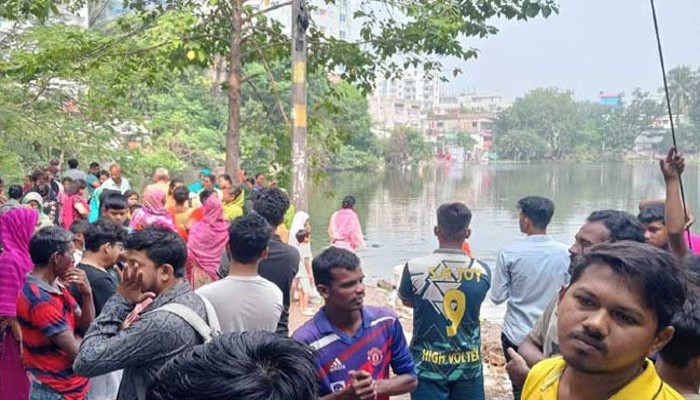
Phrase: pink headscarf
{"type": "Point", "coordinates": [346, 230]}
{"type": "Point", "coordinates": [152, 212]}
{"type": "Point", "coordinates": [208, 238]}
{"type": "Point", "coordinates": [16, 230]}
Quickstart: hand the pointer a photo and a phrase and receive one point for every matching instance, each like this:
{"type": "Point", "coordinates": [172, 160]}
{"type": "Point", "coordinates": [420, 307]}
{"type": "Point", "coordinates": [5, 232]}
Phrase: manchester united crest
{"type": "Point", "coordinates": [375, 356]}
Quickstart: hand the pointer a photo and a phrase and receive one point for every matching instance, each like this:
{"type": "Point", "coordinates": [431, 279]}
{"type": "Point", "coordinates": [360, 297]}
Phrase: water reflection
{"type": "Point", "coordinates": [397, 208]}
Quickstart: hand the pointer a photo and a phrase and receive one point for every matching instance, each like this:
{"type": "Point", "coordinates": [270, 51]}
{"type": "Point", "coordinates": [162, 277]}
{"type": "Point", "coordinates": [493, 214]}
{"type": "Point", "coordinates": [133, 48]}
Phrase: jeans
{"type": "Point", "coordinates": [517, 389]}
{"type": "Point", "coordinates": [40, 391]}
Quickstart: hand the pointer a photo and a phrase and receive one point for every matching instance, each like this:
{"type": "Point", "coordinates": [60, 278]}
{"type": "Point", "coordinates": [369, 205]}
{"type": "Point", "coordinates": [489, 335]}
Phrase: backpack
{"type": "Point", "coordinates": [207, 331]}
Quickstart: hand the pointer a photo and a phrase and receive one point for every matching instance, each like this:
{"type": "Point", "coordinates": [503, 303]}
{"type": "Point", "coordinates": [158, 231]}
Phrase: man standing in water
{"type": "Point", "coordinates": [446, 290]}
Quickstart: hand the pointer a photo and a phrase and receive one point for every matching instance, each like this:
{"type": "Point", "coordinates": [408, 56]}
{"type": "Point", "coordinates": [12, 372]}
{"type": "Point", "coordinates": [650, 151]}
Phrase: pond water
{"type": "Point", "coordinates": [397, 208]}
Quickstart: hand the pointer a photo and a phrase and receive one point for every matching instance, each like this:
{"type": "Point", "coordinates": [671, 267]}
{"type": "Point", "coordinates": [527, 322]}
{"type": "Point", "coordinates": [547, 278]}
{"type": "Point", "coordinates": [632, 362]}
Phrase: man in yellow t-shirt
{"type": "Point", "coordinates": [616, 312]}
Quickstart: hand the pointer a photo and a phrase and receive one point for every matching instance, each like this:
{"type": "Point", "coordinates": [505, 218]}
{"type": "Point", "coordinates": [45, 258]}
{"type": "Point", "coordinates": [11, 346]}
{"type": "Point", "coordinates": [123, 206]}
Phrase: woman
{"type": "Point", "coordinates": [174, 184]}
{"type": "Point", "coordinates": [75, 207]}
{"type": "Point", "coordinates": [16, 229]}
{"type": "Point", "coordinates": [206, 244]}
{"type": "Point", "coordinates": [34, 201]}
{"type": "Point", "coordinates": [344, 228]}
{"type": "Point", "coordinates": [152, 212]}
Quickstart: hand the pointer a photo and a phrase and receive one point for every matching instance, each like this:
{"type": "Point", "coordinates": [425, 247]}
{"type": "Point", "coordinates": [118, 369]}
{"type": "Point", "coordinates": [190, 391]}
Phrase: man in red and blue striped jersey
{"type": "Point", "coordinates": [354, 344]}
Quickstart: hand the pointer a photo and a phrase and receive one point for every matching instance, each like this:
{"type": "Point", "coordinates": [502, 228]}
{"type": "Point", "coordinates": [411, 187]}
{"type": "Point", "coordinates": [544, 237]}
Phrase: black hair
{"type": "Point", "coordinates": [301, 235]}
{"type": "Point", "coordinates": [104, 172]}
{"type": "Point", "coordinates": [103, 232]}
{"type": "Point", "coordinates": [653, 213]}
{"type": "Point", "coordinates": [173, 183]}
{"type": "Point", "coordinates": [348, 202]}
{"type": "Point", "coordinates": [72, 163]}
{"type": "Point", "coordinates": [235, 191]}
{"type": "Point", "coordinates": [94, 164]}
{"type": "Point", "coordinates": [621, 225]}
{"type": "Point", "coordinates": [659, 274]}
{"type": "Point", "coordinates": [130, 193]}
{"type": "Point", "coordinates": [43, 190]}
{"type": "Point", "coordinates": [211, 178]}
{"type": "Point", "coordinates": [75, 186]}
{"type": "Point", "coordinates": [47, 242]}
{"type": "Point", "coordinates": [162, 246]}
{"type": "Point", "coordinates": [250, 180]}
{"type": "Point", "coordinates": [259, 174]}
{"type": "Point", "coordinates": [248, 237]}
{"type": "Point", "coordinates": [272, 204]}
{"type": "Point", "coordinates": [15, 192]}
{"type": "Point", "coordinates": [113, 200]}
{"type": "Point", "coordinates": [38, 174]}
{"type": "Point", "coordinates": [67, 180]}
{"type": "Point", "coordinates": [453, 220]}
{"type": "Point", "coordinates": [226, 177]}
{"type": "Point", "coordinates": [181, 194]}
{"type": "Point", "coordinates": [205, 194]}
{"type": "Point", "coordinates": [685, 344]}
{"type": "Point", "coordinates": [241, 366]}
{"type": "Point", "coordinates": [539, 210]}
{"type": "Point", "coordinates": [333, 257]}
{"type": "Point", "coordinates": [80, 226]}
{"type": "Point", "coordinates": [693, 272]}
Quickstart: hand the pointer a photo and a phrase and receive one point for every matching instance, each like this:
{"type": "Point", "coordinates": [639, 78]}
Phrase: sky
{"type": "Point", "coordinates": [590, 46]}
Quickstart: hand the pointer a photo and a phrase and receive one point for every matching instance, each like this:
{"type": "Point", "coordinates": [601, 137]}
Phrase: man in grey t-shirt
{"type": "Point", "coordinates": [245, 301]}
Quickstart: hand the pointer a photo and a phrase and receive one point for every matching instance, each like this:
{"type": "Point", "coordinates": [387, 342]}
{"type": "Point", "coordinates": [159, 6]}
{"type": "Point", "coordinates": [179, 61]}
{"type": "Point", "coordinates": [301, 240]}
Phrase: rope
{"type": "Point", "coordinates": [670, 112]}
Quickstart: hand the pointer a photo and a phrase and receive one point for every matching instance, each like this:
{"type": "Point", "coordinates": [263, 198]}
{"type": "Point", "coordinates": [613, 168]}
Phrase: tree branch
{"type": "Point", "coordinates": [257, 93]}
{"type": "Point", "coordinates": [267, 10]}
{"type": "Point", "coordinates": [273, 86]}
{"type": "Point", "coordinates": [41, 91]}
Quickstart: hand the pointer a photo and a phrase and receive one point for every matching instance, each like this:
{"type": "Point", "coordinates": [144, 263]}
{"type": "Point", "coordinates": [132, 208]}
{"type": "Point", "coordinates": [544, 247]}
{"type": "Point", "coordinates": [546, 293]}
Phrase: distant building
{"type": "Point", "coordinates": [610, 99]}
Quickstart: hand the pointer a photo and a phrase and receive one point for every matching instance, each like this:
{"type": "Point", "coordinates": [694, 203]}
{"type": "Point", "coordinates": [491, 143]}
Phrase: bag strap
{"type": "Point", "coordinates": [206, 331]}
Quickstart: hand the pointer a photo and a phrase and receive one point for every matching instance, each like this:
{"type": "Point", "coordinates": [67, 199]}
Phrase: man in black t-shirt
{"type": "Point", "coordinates": [102, 247]}
{"type": "Point", "coordinates": [282, 262]}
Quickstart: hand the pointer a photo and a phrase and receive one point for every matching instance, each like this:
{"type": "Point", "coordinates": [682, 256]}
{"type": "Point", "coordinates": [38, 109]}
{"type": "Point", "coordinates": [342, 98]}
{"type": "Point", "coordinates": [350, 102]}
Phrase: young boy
{"type": "Point", "coordinates": [78, 229]}
{"type": "Point", "coordinates": [304, 281]}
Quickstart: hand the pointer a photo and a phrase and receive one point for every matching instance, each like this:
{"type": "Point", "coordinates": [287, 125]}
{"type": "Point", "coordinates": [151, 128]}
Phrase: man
{"type": "Point", "coordinates": [258, 304]}
{"type": "Point", "coordinates": [282, 262]}
{"type": "Point", "coordinates": [653, 219]}
{"type": "Point", "coordinates": [92, 180]}
{"type": "Point", "coordinates": [114, 207]}
{"type": "Point", "coordinates": [73, 172]}
{"type": "Point", "coordinates": [446, 290]}
{"type": "Point", "coordinates": [116, 180]}
{"type": "Point", "coordinates": [283, 369]}
{"type": "Point", "coordinates": [675, 215]}
{"type": "Point", "coordinates": [529, 274]}
{"type": "Point", "coordinates": [354, 344]}
{"type": "Point", "coordinates": [155, 270]}
{"type": "Point", "coordinates": [616, 312]}
{"type": "Point", "coordinates": [543, 342]}
{"type": "Point", "coordinates": [678, 363]}
{"type": "Point", "coordinates": [232, 203]}
{"type": "Point", "coordinates": [49, 317]}
{"type": "Point", "coordinates": [103, 244]}
{"type": "Point", "coordinates": [14, 195]}
{"type": "Point", "coordinates": [161, 180]}
{"type": "Point", "coordinates": [259, 182]}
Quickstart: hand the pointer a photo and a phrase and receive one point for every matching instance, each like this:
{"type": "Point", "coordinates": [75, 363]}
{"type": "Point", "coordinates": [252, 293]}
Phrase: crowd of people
{"type": "Point", "coordinates": [184, 292]}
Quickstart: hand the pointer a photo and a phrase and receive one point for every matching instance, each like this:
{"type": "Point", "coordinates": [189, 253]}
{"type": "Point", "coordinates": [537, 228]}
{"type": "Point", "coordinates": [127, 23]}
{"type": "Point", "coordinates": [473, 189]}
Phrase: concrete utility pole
{"type": "Point", "coordinates": [300, 22]}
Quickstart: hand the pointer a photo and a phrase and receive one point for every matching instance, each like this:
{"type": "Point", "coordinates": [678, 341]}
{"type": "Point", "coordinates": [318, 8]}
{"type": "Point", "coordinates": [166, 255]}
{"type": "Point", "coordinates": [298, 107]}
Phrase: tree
{"type": "Point", "coordinates": [418, 31]}
{"type": "Point", "coordinates": [405, 147]}
{"type": "Point", "coordinates": [683, 89]}
{"type": "Point", "coordinates": [523, 145]}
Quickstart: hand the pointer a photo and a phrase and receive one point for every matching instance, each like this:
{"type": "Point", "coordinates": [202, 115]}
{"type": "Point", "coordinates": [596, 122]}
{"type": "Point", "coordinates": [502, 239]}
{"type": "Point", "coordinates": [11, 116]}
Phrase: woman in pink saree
{"type": "Point", "coordinates": [152, 212]}
{"type": "Point", "coordinates": [16, 230]}
{"type": "Point", "coordinates": [206, 244]}
{"type": "Point", "coordinates": [344, 228]}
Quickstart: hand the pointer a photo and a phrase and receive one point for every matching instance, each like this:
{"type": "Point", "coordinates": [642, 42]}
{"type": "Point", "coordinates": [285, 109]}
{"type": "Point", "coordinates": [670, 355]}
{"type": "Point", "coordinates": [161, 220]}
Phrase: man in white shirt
{"type": "Point", "coordinates": [116, 181]}
{"type": "Point", "coordinates": [529, 273]}
{"type": "Point", "coordinates": [245, 301]}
